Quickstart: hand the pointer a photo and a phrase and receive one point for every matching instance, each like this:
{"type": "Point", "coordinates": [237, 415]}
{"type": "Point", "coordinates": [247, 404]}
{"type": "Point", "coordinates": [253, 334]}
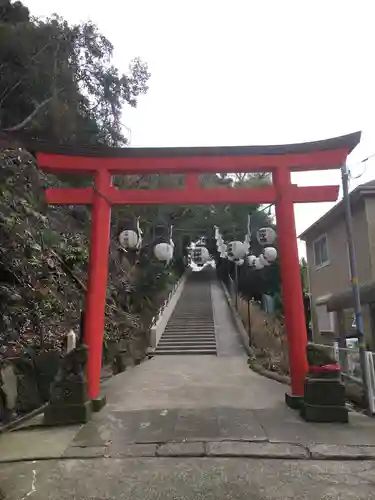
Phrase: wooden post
{"type": "Point", "coordinates": [249, 322]}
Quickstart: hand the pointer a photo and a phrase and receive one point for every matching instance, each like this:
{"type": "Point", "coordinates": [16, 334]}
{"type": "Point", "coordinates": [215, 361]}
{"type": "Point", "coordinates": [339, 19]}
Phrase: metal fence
{"type": "Point", "coordinates": [370, 367]}
{"type": "Point", "coordinates": [351, 370]}
{"type": "Point", "coordinates": [165, 303]}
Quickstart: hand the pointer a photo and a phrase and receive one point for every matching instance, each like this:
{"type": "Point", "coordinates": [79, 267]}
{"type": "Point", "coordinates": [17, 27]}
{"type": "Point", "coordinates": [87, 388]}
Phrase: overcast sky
{"type": "Point", "coordinates": [245, 72]}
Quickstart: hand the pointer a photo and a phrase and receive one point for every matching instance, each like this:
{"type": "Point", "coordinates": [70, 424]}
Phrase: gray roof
{"type": "Point", "coordinates": [367, 189]}
{"type": "Point", "coordinates": [345, 142]}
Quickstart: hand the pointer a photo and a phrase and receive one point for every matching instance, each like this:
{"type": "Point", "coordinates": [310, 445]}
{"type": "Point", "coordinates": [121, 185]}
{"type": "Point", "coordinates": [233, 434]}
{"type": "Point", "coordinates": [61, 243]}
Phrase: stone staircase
{"type": "Point", "coordinates": [190, 329]}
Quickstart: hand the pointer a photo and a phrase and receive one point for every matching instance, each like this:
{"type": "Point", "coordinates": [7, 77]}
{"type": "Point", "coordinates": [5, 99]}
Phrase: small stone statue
{"type": "Point", "coordinates": [318, 356]}
{"type": "Point", "coordinates": [71, 341]}
{"type": "Point", "coordinates": [68, 396]}
{"type": "Point", "coordinates": [321, 363]}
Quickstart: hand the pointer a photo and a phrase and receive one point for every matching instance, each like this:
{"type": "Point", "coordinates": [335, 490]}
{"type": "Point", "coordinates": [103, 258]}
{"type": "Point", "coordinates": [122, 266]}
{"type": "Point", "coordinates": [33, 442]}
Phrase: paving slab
{"type": "Point", "coordinates": [340, 452]}
{"type": "Point", "coordinates": [85, 452]}
{"type": "Point", "coordinates": [192, 382]}
{"type": "Point", "coordinates": [121, 450]}
{"type": "Point", "coordinates": [193, 424]}
{"type": "Point", "coordinates": [265, 450]}
{"type": "Point", "coordinates": [281, 424]}
{"type": "Point", "coordinates": [160, 426]}
{"type": "Point", "coordinates": [190, 479]}
{"type": "Point", "coordinates": [240, 424]}
{"type": "Point", "coordinates": [20, 481]}
{"type": "Point", "coordinates": [195, 449]}
{"type": "Point", "coordinates": [36, 443]}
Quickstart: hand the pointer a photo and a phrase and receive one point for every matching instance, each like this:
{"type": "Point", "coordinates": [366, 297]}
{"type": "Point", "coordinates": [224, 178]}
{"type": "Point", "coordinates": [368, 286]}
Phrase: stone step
{"type": "Point", "coordinates": [169, 347]}
{"type": "Point", "coordinates": [192, 342]}
{"type": "Point", "coordinates": [198, 318]}
{"type": "Point", "coordinates": [191, 324]}
{"type": "Point", "coordinates": [184, 322]}
{"type": "Point", "coordinates": [185, 337]}
{"type": "Point", "coordinates": [188, 335]}
{"type": "Point", "coordinates": [187, 343]}
{"type": "Point", "coordinates": [179, 351]}
{"type": "Point", "coordinates": [190, 329]}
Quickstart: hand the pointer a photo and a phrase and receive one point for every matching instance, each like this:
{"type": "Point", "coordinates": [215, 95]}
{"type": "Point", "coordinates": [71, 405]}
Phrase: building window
{"type": "Point", "coordinates": [321, 252]}
{"type": "Point", "coordinates": [325, 319]}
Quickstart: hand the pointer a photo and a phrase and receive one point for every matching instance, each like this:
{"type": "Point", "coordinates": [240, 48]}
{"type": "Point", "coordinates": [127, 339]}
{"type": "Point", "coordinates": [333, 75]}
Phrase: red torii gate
{"type": "Point", "coordinates": [279, 160]}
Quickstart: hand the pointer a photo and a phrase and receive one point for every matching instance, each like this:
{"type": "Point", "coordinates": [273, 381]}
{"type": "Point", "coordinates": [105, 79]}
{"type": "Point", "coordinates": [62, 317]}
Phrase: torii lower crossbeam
{"type": "Point", "coordinates": [279, 160]}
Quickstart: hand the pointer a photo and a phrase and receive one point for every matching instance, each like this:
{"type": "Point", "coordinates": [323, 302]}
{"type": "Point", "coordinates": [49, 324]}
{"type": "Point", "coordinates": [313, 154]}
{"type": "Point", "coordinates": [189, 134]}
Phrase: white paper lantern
{"type": "Point", "coordinates": [251, 260]}
{"type": "Point", "coordinates": [263, 260]}
{"type": "Point", "coordinates": [266, 236]}
{"type": "Point", "coordinates": [270, 254]}
{"type": "Point", "coordinates": [236, 250]}
{"type": "Point", "coordinates": [163, 252]}
{"type": "Point", "coordinates": [200, 255]}
{"type": "Point", "coordinates": [257, 264]}
{"type": "Point", "coordinates": [128, 239]}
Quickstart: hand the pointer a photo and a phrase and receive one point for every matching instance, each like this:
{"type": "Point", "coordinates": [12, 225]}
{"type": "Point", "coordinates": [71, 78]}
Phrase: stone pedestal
{"type": "Point", "coordinates": [324, 394]}
{"type": "Point", "coordinates": [294, 402]}
{"type": "Point", "coordinates": [68, 414]}
{"type": "Point", "coordinates": [324, 401]}
{"type": "Point", "coordinates": [69, 403]}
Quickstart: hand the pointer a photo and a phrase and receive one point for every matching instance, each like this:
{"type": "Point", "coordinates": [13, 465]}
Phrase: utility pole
{"type": "Point", "coordinates": [354, 279]}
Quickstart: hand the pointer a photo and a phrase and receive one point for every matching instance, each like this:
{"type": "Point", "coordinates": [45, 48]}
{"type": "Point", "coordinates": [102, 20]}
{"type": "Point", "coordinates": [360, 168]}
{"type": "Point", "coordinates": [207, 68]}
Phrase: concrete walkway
{"type": "Point", "coordinates": [193, 427]}
{"type": "Point", "coordinates": [228, 339]}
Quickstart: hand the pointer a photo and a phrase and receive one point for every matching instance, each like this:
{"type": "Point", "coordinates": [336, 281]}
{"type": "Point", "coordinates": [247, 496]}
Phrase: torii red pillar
{"type": "Point", "coordinates": [294, 311]}
{"type": "Point", "coordinates": [97, 281]}
{"type": "Point", "coordinates": [280, 160]}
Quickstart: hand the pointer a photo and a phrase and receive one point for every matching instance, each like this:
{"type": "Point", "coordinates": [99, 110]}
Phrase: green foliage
{"type": "Point", "coordinates": [74, 251]}
{"type": "Point", "coordinates": [58, 82]}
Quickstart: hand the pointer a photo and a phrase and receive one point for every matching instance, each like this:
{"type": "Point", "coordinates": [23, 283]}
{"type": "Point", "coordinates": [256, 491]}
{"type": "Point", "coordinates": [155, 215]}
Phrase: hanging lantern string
{"type": "Point", "coordinates": [139, 230]}
{"type": "Point", "coordinates": [248, 233]}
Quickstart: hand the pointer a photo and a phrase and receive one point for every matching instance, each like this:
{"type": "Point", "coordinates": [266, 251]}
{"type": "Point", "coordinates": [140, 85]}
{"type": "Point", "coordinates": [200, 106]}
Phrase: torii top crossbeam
{"type": "Point", "coordinates": [103, 162]}
{"type": "Point", "coordinates": [318, 155]}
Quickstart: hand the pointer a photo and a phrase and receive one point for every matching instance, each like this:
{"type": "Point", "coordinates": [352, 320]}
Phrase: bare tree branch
{"type": "Point", "coordinates": [24, 122]}
{"type": "Point", "coordinates": [7, 92]}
